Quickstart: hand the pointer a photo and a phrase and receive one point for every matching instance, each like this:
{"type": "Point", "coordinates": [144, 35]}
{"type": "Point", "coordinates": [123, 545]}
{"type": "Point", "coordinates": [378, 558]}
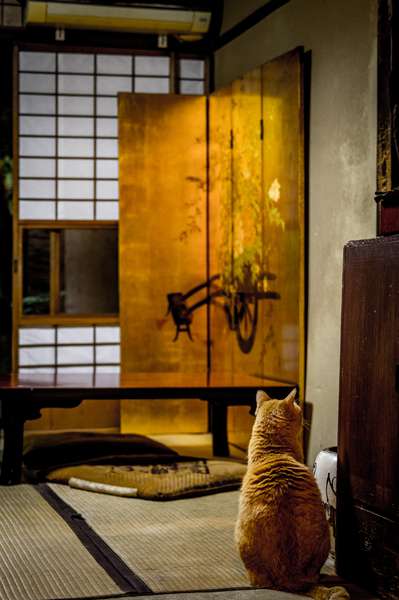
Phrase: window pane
{"type": "Point", "coordinates": [37, 126]}
{"type": "Point", "coordinates": [37, 167]}
{"type": "Point", "coordinates": [37, 188]}
{"type": "Point", "coordinates": [75, 335]}
{"type": "Point", "coordinates": [37, 104]}
{"type": "Point", "coordinates": [113, 85]}
{"type": "Point", "coordinates": [75, 147]}
{"type": "Point", "coordinates": [29, 209]}
{"type": "Point", "coordinates": [108, 354]}
{"type": "Point", "coordinates": [89, 271]}
{"type": "Point", "coordinates": [75, 105]}
{"type": "Point", "coordinates": [107, 127]}
{"type": "Point", "coordinates": [35, 82]}
{"type": "Point", "coordinates": [75, 126]}
{"type": "Point", "coordinates": [114, 65]}
{"type": "Point", "coordinates": [107, 106]}
{"type": "Point", "coordinates": [12, 16]}
{"type": "Point", "coordinates": [191, 87]}
{"type": "Point", "coordinates": [107, 211]}
{"type": "Point", "coordinates": [108, 369]}
{"type": "Point", "coordinates": [75, 355]}
{"type": "Point", "coordinates": [151, 65]}
{"type": "Point", "coordinates": [78, 169]}
{"type": "Point", "coordinates": [75, 84]}
{"type": "Point", "coordinates": [36, 356]}
{"type": "Point", "coordinates": [79, 189]}
{"type": "Point", "coordinates": [192, 69]}
{"type": "Point", "coordinates": [68, 370]}
{"type": "Point", "coordinates": [107, 169]}
{"type": "Point", "coordinates": [75, 210]}
{"type": "Point", "coordinates": [107, 148]}
{"type": "Point", "coordinates": [151, 85]}
{"type": "Point", "coordinates": [36, 146]}
{"type": "Point", "coordinates": [36, 335]}
{"type": "Point", "coordinates": [76, 63]}
{"type": "Point", "coordinates": [108, 334]}
{"type": "Point", "coordinates": [107, 190]}
{"type": "Point", "coordinates": [36, 272]}
{"type": "Point", "coordinates": [37, 61]}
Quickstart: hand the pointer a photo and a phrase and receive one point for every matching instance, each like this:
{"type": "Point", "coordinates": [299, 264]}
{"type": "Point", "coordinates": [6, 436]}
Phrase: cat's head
{"type": "Point", "coordinates": [278, 415]}
{"type": "Point", "coordinates": [277, 427]}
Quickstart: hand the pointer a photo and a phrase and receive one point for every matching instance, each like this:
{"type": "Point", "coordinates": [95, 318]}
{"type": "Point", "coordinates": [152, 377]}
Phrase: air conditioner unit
{"type": "Point", "coordinates": [181, 18]}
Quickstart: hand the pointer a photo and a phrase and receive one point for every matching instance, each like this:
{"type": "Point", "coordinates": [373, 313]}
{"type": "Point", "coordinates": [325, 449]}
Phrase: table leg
{"type": "Point", "coordinates": [13, 425]}
{"type": "Point", "coordinates": [218, 427]}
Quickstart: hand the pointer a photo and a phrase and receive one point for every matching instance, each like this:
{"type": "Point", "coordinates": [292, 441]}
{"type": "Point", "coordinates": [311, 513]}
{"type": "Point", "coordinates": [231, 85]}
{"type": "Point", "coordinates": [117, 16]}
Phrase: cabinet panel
{"type": "Point", "coordinates": [368, 476]}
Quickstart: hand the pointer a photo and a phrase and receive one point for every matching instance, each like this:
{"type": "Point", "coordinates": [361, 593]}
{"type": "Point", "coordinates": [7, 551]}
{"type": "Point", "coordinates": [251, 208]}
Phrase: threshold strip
{"type": "Point", "coordinates": [114, 566]}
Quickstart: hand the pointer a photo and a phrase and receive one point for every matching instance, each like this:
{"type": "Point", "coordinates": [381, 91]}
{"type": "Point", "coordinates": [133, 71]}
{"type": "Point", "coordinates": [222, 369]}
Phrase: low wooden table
{"type": "Point", "coordinates": [23, 397]}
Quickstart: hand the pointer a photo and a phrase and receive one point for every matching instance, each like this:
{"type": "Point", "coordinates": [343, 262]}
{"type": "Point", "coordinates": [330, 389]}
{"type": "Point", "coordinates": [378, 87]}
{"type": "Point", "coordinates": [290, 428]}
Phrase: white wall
{"type": "Point", "coordinates": [342, 38]}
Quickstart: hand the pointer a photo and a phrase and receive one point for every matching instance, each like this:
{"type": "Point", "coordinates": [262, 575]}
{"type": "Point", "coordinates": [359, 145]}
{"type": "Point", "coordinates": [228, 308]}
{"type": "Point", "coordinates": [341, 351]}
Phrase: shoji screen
{"type": "Point", "coordinates": [67, 154]}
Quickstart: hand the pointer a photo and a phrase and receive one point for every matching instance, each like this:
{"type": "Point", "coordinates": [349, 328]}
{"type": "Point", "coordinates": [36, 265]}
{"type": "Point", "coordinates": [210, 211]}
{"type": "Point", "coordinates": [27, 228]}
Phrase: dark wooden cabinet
{"type": "Point", "coordinates": [368, 438]}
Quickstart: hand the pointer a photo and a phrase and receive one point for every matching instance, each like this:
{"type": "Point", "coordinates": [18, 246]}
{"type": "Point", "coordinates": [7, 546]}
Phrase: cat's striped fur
{"type": "Point", "coordinates": [282, 532]}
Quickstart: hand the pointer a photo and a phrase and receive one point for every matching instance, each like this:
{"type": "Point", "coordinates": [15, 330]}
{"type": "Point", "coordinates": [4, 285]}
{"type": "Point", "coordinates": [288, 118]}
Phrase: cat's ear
{"type": "Point", "coordinates": [291, 397]}
{"type": "Point", "coordinates": [261, 396]}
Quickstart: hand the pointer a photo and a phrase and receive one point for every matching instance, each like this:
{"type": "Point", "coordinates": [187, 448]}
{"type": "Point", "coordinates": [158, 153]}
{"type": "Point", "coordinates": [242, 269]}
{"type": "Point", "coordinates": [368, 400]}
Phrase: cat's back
{"type": "Point", "coordinates": [275, 477]}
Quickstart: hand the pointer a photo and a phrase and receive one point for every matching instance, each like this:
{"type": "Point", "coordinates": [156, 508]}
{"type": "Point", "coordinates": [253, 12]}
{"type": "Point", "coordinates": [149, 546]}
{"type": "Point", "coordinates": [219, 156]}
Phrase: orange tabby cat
{"type": "Point", "coordinates": [282, 532]}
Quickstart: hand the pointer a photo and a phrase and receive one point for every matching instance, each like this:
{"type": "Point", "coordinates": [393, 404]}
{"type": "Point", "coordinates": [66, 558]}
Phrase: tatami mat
{"type": "Point", "coordinates": [40, 556]}
{"type": "Point", "coordinates": [175, 545]}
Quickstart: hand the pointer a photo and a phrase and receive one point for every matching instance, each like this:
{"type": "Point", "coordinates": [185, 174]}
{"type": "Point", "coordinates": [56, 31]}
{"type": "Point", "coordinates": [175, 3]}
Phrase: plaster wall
{"type": "Point", "coordinates": [341, 37]}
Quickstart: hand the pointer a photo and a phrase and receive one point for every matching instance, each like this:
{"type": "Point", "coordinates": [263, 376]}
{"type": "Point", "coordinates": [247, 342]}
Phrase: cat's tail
{"type": "Point", "coordinates": [321, 592]}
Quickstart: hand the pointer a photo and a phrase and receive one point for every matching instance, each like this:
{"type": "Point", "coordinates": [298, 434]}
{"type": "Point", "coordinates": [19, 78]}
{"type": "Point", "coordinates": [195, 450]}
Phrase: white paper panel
{"type": "Point", "coordinates": [151, 65]}
{"type": "Point", "coordinates": [36, 335]}
{"type": "Point", "coordinates": [75, 147]}
{"type": "Point", "coordinates": [37, 82]}
{"type": "Point", "coordinates": [76, 105]}
{"type": "Point", "coordinates": [36, 356]}
{"type": "Point", "coordinates": [107, 169]}
{"type": "Point", "coordinates": [107, 148]}
{"type": "Point", "coordinates": [73, 370]}
{"type": "Point", "coordinates": [151, 85]}
{"type": "Point", "coordinates": [191, 87]}
{"type": "Point", "coordinates": [107, 127]}
{"type": "Point", "coordinates": [37, 188]}
{"type": "Point", "coordinates": [192, 68]}
{"type": "Point", "coordinates": [37, 126]}
{"type": "Point", "coordinates": [75, 84]}
{"type": "Point", "coordinates": [107, 190]}
{"type": "Point", "coordinates": [108, 369]}
{"type": "Point", "coordinates": [107, 211]}
{"type": "Point", "coordinates": [37, 61]}
{"type": "Point", "coordinates": [108, 354]}
{"type": "Point", "coordinates": [75, 335]}
{"type": "Point", "coordinates": [37, 167]}
{"type": "Point", "coordinates": [37, 105]}
{"type": "Point", "coordinates": [76, 63]}
{"type": "Point", "coordinates": [108, 334]}
{"type": "Point", "coordinates": [75, 355]}
{"type": "Point", "coordinates": [107, 106]}
{"type": "Point", "coordinates": [113, 85]}
{"type": "Point", "coordinates": [36, 146]}
{"type": "Point", "coordinates": [37, 370]}
{"type": "Point", "coordinates": [75, 126]}
{"type": "Point", "coordinates": [114, 64]}
{"type": "Point", "coordinates": [79, 189]}
{"type": "Point", "coordinates": [75, 210]}
{"type": "Point", "coordinates": [36, 210]}
{"type": "Point", "coordinates": [78, 169]}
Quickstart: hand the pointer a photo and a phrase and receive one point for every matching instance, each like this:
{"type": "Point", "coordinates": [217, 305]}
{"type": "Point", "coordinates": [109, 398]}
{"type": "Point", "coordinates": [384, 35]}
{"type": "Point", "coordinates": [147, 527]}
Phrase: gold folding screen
{"type": "Point", "coordinates": [233, 212]}
{"type": "Point", "coordinates": [162, 233]}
